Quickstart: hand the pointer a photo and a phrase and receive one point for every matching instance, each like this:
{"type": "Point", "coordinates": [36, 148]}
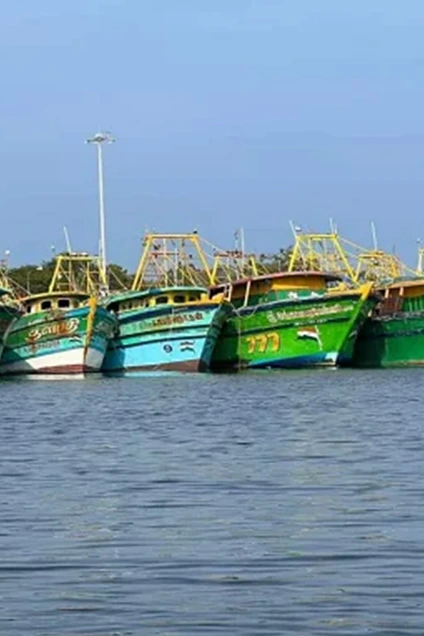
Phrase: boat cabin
{"type": "Point", "coordinates": [136, 300]}
{"type": "Point", "coordinates": [405, 294]}
{"type": "Point", "coordinates": [272, 287]}
{"type": "Point", "coordinates": [53, 301]}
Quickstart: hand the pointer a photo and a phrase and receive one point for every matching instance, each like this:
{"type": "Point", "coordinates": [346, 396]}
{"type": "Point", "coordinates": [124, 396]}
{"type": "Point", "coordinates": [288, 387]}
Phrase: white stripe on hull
{"type": "Point", "coordinates": [71, 361]}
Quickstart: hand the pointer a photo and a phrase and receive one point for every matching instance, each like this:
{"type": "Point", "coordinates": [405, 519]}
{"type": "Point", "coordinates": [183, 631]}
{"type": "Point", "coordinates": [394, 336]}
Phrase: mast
{"type": "Point", "coordinates": [67, 240]}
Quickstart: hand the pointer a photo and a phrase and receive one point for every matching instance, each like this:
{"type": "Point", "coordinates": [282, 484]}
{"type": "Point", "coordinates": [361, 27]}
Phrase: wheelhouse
{"type": "Point", "coordinates": [401, 295]}
{"type": "Point", "coordinates": [53, 302]}
{"type": "Point", "coordinates": [134, 301]}
{"type": "Point", "coordinates": [279, 286]}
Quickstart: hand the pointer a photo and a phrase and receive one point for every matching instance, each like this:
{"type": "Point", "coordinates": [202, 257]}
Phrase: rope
{"type": "Point", "coordinates": [90, 323]}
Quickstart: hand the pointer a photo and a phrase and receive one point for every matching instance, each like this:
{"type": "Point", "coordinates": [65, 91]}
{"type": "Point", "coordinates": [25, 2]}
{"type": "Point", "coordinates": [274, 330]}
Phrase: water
{"type": "Point", "coordinates": [253, 504]}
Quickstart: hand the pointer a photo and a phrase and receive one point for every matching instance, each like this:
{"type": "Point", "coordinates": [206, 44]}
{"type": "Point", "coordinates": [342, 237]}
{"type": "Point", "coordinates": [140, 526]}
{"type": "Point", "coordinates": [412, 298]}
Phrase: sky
{"type": "Point", "coordinates": [226, 113]}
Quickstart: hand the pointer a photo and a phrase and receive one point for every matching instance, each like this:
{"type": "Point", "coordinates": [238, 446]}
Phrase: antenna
{"type": "Point", "coordinates": [295, 229]}
{"type": "Point", "coordinates": [374, 236]}
{"type": "Point", "coordinates": [67, 241]}
{"type": "Point", "coordinates": [242, 248]}
{"type": "Point", "coordinates": [333, 226]}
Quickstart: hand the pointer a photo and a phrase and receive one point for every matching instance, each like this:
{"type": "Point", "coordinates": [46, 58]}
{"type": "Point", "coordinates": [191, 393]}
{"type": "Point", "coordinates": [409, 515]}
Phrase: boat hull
{"type": "Point", "coordinates": [306, 332]}
{"type": "Point", "coordinates": [165, 339]}
{"type": "Point", "coordinates": [8, 315]}
{"type": "Point", "coordinates": [391, 341]}
{"type": "Point", "coordinates": [68, 342]}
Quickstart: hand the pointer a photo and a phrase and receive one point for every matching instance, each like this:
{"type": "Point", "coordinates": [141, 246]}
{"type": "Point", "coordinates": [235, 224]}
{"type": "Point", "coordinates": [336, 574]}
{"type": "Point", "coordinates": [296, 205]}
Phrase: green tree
{"type": "Point", "coordinates": [32, 279]}
{"type": "Point", "coordinates": [119, 277]}
{"type": "Point", "coordinates": [275, 262]}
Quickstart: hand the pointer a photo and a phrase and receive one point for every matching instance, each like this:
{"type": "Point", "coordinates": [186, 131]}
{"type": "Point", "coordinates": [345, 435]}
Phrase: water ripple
{"type": "Point", "coordinates": [256, 504]}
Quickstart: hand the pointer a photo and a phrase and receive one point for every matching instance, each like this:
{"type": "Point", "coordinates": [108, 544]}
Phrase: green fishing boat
{"type": "Point", "coordinates": [393, 335]}
{"type": "Point", "coordinates": [297, 319]}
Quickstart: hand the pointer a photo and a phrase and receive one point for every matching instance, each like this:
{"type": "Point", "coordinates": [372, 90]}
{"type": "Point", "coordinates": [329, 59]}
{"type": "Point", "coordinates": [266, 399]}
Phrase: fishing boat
{"type": "Point", "coordinates": [393, 335]}
{"type": "Point", "coordinates": [167, 322]}
{"type": "Point", "coordinates": [10, 308]}
{"type": "Point", "coordinates": [64, 330]}
{"type": "Point", "coordinates": [393, 332]}
{"type": "Point", "coordinates": [9, 313]}
{"type": "Point", "coordinates": [290, 319]}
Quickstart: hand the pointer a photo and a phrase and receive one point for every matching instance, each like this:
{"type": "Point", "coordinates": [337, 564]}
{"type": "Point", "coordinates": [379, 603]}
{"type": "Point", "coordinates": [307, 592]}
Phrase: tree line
{"type": "Point", "coordinates": [35, 278]}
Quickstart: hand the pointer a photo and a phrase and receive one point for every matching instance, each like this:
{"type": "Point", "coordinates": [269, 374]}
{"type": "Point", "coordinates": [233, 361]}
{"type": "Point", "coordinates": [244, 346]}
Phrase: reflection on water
{"type": "Point", "coordinates": [249, 504]}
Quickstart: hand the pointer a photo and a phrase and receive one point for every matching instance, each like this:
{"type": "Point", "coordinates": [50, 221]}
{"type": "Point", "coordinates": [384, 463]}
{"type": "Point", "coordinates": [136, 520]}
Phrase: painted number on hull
{"type": "Point", "coordinates": [263, 342]}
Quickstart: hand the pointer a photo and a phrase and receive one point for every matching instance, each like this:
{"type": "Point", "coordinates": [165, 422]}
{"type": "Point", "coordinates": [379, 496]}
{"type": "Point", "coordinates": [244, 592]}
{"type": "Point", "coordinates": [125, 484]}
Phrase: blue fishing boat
{"type": "Point", "coordinates": [166, 329]}
{"type": "Point", "coordinates": [167, 320]}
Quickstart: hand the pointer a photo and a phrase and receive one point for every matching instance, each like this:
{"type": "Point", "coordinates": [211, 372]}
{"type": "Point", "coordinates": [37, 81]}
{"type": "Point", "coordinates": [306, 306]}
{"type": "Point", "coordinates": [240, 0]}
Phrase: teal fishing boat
{"type": "Point", "coordinates": [63, 331]}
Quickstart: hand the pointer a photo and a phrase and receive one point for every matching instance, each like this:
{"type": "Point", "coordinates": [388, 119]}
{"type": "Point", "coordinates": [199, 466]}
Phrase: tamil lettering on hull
{"type": "Point", "coordinates": [177, 319]}
{"type": "Point", "coordinates": [315, 312]}
{"type": "Point", "coordinates": [60, 328]}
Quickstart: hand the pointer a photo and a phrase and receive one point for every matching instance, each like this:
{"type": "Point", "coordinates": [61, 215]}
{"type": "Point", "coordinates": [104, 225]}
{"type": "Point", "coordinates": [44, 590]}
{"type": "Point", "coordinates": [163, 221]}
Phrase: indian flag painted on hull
{"type": "Point", "coordinates": [164, 329]}
{"type": "Point", "coordinates": [290, 320]}
{"type": "Point", "coordinates": [310, 333]}
{"type": "Point", "coordinates": [60, 333]}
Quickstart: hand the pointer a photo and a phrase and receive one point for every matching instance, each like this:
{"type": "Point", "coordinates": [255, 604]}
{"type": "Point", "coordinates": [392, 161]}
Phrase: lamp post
{"type": "Point", "coordinates": [99, 139]}
{"type": "Point", "coordinates": [29, 274]}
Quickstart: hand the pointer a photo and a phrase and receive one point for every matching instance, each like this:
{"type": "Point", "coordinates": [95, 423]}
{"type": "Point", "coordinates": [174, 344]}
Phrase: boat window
{"type": "Point", "coordinates": [331, 284]}
{"type": "Point", "coordinates": [63, 303]}
{"type": "Point", "coordinates": [29, 309]}
{"type": "Point", "coordinates": [46, 304]}
{"type": "Point", "coordinates": [162, 300]}
{"type": "Point", "coordinates": [193, 298]}
{"type": "Point", "coordinates": [179, 299]}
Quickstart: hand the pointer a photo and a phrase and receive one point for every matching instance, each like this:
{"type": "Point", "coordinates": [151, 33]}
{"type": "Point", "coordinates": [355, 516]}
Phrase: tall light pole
{"type": "Point", "coordinates": [99, 139]}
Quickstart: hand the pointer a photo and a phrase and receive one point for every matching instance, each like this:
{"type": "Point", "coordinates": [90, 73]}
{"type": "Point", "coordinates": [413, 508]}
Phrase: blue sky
{"type": "Point", "coordinates": [227, 113]}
